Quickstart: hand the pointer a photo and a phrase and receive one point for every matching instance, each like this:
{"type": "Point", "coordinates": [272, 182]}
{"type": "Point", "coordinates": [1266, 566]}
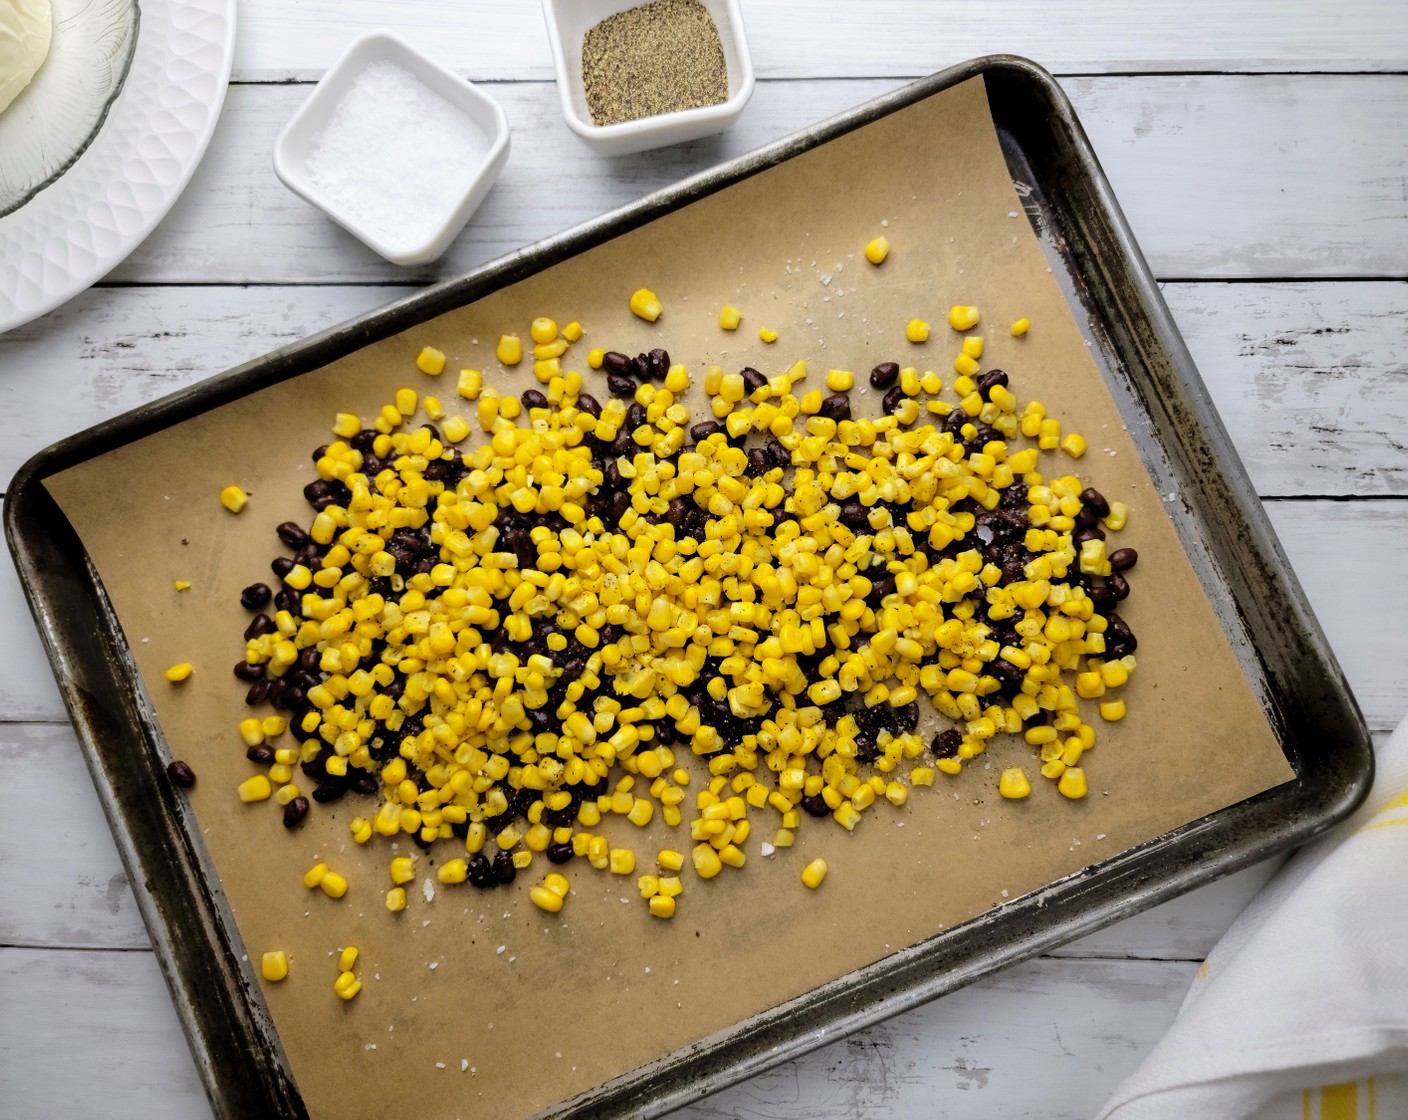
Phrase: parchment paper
{"type": "Point", "coordinates": [537, 1008]}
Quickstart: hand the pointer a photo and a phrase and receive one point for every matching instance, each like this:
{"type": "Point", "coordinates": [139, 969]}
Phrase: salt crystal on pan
{"type": "Point", "coordinates": [427, 888]}
{"type": "Point", "coordinates": [373, 157]}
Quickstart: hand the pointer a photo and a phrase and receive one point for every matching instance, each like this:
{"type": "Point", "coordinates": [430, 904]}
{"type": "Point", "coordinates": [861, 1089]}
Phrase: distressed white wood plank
{"type": "Point", "coordinates": [1220, 177]}
{"type": "Point", "coordinates": [1351, 558]}
{"type": "Point", "coordinates": [64, 883]}
{"type": "Point", "coordinates": [1006, 1047]}
{"type": "Point", "coordinates": [92, 1034]}
{"type": "Point", "coordinates": [806, 38]}
{"type": "Point", "coordinates": [1311, 378]}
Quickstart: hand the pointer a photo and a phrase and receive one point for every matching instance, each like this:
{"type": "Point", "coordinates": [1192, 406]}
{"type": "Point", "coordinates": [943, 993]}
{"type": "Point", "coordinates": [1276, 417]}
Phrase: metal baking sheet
{"type": "Point", "coordinates": [1185, 450]}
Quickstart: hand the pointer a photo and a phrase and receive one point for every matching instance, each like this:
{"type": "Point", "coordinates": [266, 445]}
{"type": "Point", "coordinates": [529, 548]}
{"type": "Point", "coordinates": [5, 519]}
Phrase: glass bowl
{"type": "Point", "coordinates": [54, 119]}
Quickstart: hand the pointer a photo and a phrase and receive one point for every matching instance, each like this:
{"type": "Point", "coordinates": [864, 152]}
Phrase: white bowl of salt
{"type": "Point", "coordinates": [395, 148]}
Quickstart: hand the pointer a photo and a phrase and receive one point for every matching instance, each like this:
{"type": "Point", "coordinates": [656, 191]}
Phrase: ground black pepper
{"type": "Point", "coordinates": [661, 57]}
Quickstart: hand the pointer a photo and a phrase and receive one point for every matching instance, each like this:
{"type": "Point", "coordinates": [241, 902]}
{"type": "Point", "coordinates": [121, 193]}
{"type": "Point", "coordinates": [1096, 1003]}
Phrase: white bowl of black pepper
{"type": "Point", "coordinates": [633, 76]}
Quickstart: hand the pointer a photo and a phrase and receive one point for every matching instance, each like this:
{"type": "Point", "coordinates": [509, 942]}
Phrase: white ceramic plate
{"type": "Point", "coordinates": [72, 233]}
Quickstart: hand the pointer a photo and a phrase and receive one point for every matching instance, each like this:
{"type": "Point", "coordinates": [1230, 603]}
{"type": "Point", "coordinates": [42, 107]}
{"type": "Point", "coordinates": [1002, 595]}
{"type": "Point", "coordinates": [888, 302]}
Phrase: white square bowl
{"type": "Point", "coordinates": [568, 23]}
{"type": "Point", "coordinates": [295, 141]}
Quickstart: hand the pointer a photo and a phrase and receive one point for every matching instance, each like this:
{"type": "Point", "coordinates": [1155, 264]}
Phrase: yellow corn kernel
{"type": "Point", "coordinates": [648, 885]}
{"type": "Point", "coordinates": [470, 383]}
{"type": "Point", "coordinates": [346, 425]}
{"type": "Point", "coordinates": [572, 331]}
{"type": "Point", "coordinates": [595, 357]}
{"type": "Point", "coordinates": [403, 869]}
{"type": "Point", "coordinates": [1013, 784]}
{"type": "Point", "coordinates": [814, 873]}
{"type": "Point", "coordinates": [706, 861]}
{"type": "Point", "coordinates": [877, 249]}
{"type": "Point", "coordinates": [183, 585]}
{"type": "Point", "coordinates": [1112, 710]}
{"type": "Point", "coordinates": [347, 985]}
{"type": "Point", "coordinates": [783, 838]}
{"type": "Point", "coordinates": [962, 318]}
{"type": "Point", "coordinates": [396, 899]}
{"type": "Point", "coordinates": [179, 672]}
{"type": "Point", "coordinates": [361, 827]}
{"type": "Point", "coordinates": [646, 305]}
{"type": "Point", "coordinates": [730, 317]}
{"type": "Point", "coordinates": [1072, 783]}
{"type": "Point", "coordinates": [839, 380]}
{"type": "Point", "coordinates": [543, 331]}
{"type": "Point", "coordinates": [429, 360]}
{"type": "Point", "coordinates": [257, 788]}
{"type": "Point", "coordinates": [1117, 517]}
{"type": "Point", "coordinates": [347, 958]}
{"type": "Point", "coordinates": [670, 860]}
{"type": "Point", "coordinates": [1074, 445]}
{"type": "Point", "coordinates": [274, 966]}
{"type": "Point", "coordinates": [546, 899]}
{"type": "Point", "coordinates": [233, 498]}
{"type": "Point", "coordinates": [314, 875]}
{"type": "Point", "coordinates": [333, 884]}
{"type": "Point", "coordinates": [768, 336]}
{"type": "Point", "coordinates": [1020, 327]}
{"type": "Point", "coordinates": [973, 347]}
{"type": "Point", "coordinates": [622, 861]}
{"type": "Point", "coordinates": [917, 330]}
{"type": "Point", "coordinates": [966, 366]}
{"type": "Point", "coordinates": [453, 871]}
{"type": "Point", "coordinates": [662, 906]}
{"type": "Point", "coordinates": [509, 350]}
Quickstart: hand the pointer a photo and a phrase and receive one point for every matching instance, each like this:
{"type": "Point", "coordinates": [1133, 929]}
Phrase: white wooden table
{"type": "Point", "coordinates": [1260, 151]}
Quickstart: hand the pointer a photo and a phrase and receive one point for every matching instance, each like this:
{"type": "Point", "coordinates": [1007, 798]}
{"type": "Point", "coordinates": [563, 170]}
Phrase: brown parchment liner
{"type": "Point", "coordinates": [538, 1007]}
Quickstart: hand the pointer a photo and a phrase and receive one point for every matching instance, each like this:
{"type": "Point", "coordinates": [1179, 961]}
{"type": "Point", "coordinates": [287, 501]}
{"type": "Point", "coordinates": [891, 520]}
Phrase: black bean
{"type": "Point", "coordinates": [990, 380]}
{"type": "Point", "coordinates": [658, 364]}
{"type": "Point", "coordinates": [816, 805]}
{"type": "Point", "coordinates": [704, 429]}
{"type": "Point", "coordinates": [295, 811]}
{"type": "Point", "coordinates": [531, 398]}
{"type": "Point", "coordinates": [1119, 587]}
{"type": "Point", "coordinates": [504, 871]}
{"type": "Point", "coordinates": [753, 380]}
{"type": "Point", "coordinates": [946, 743]}
{"type": "Point", "coordinates": [258, 692]}
{"type": "Point", "coordinates": [1101, 595]}
{"type": "Point", "coordinates": [619, 385]}
{"type": "Point", "coordinates": [281, 566]}
{"type": "Point", "coordinates": [255, 596]}
{"type": "Point", "coordinates": [836, 407]}
{"type": "Point", "coordinates": [259, 625]}
{"type": "Point", "coordinates": [778, 454]}
{"type": "Point", "coordinates": [308, 555]}
{"type": "Point", "coordinates": [247, 671]}
{"type": "Point", "coordinates": [758, 463]}
{"type": "Point", "coordinates": [481, 871]}
{"type": "Point", "coordinates": [309, 658]}
{"type": "Point", "coordinates": [1080, 536]}
{"type": "Point", "coordinates": [613, 361]}
{"type": "Point", "coordinates": [181, 774]}
{"type": "Point", "coordinates": [620, 503]}
{"type": "Point", "coordinates": [589, 405]}
{"type": "Point", "coordinates": [892, 399]}
{"type": "Point", "coordinates": [325, 794]}
{"type": "Point", "coordinates": [884, 374]}
{"type": "Point", "coordinates": [436, 471]}
{"type": "Point", "coordinates": [288, 600]}
{"type": "Point", "coordinates": [635, 416]}
{"type": "Point", "coordinates": [263, 755]}
{"type": "Point", "coordinates": [1095, 501]}
{"type": "Point", "coordinates": [363, 440]}
{"type": "Point", "coordinates": [1122, 559]}
{"type": "Point", "coordinates": [559, 853]}
{"type": "Point", "coordinates": [1123, 636]}
{"type": "Point", "coordinates": [855, 516]}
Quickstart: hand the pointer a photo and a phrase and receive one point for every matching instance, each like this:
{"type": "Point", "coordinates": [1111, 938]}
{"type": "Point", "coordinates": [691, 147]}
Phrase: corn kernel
{"type": "Point", "coordinates": [509, 350]}
{"type": "Point", "coordinates": [670, 860]}
{"type": "Point", "coordinates": [453, 871]}
{"type": "Point", "coordinates": [257, 788]}
{"type": "Point", "coordinates": [662, 906]}
{"type": "Point", "coordinates": [962, 318]}
{"type": "Point", "coordinates": [233, 498]}
{"type": "Point", "coordinates": [1112, 710]}
{"type": "Point", "coordinates": [396, 899]}
{"type": "Point", "coordinates": [314, 875]}
{"type": "Point", "coordinates": [916, 330]}
{"type": "Point", "coordinates": [877, 249]}
{"type": "Point", "coordinates": [545, 899]}
{"type": "Point", "coordinates": [1072, 783]}
{"type": "Point", "coordinates": [814, 873]}
{"type": "Point", "coordinates": [706, 861]}
{"type": "Point", "coordinates": [1014, 784]}
{"type": "Point", "coordinates": [622, 861]}
{"type": "Point", "coordinates": [429, 360]}
{"type": "Point", "coordinates": [179, 672]}
{"type": "Point", "coordinates": [1020, 327]}
{"type": "Point", "coordinates": [347, 985]}
{"type": "Point", "coordinates": [1074, 445]}
{"type": "Point", "coordinates": [729, 317]}
{"type": "Point", "coordinates": [595, 357]}
{"type": "Point", "coordinates": [333, 885]}
{"type": "Point", "coordinates": [543, 331]}
{"type": "Point", "coordinates": [347, 958]}
{"type": "Point", "coordinates": [646, 305]}
{"type": "Point", "coordinates": [839, 380]}
{"type": "Point", "coordinates": [274, 966]}
{"type": "Point", "coordinates": [470, 383]}
{"type": "Point", "coordinates": [768, 336]}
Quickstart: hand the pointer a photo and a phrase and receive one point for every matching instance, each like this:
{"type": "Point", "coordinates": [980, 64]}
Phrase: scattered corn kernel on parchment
{"type": "Point", "coordinates": [482, 1002]}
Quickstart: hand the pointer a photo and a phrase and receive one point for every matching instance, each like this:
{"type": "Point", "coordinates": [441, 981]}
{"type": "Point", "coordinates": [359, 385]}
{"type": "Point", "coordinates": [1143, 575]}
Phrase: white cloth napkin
{"type": "Point", "coordinates": [1301, 1011]}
